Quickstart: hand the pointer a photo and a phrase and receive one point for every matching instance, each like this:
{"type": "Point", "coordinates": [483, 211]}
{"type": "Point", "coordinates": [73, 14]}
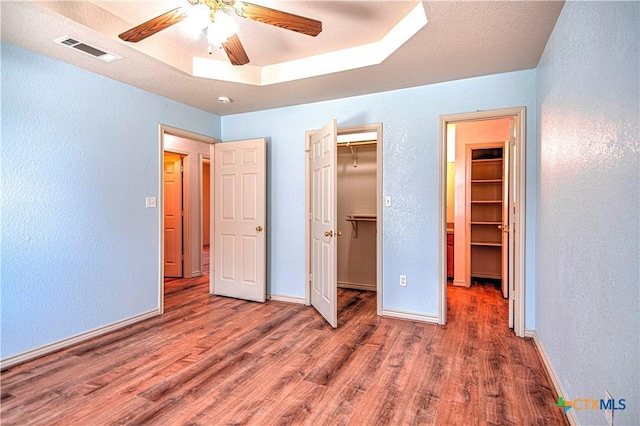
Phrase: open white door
{"type": "Point", "coordinates": [508, 229]}
{"type": "Point", "coordinates": [239, 220]}
{"type": "Point", "coordinates": [505, 220]}
{"type": "Point", "coordinates": [324, 285]}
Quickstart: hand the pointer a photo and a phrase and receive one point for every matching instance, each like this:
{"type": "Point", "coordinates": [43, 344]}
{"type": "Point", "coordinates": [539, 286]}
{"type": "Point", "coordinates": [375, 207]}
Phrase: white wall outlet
{"type": "Point", "coordinates": [387, 201]}
{"type": "Point", "coordinates": [150, 202]}
{"type": "Point", "coordinates": [403, 280]}
{"type": "Point", "coordinates": [608, 413]}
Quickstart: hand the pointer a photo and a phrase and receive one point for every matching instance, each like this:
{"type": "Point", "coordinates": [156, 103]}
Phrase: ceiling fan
{"type": "Point", "coordinates": [221, 29]}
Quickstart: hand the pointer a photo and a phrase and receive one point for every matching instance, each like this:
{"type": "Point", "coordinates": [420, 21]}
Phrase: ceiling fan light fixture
{"type": "Point", "coordinates": [221, 29]}
{"type": "Point", "coordinates": [199, 17]}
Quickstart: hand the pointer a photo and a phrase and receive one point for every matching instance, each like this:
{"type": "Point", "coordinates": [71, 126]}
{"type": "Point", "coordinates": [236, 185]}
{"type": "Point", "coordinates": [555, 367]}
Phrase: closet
{"type": "Point", "coordinates": [476, 204]}
{"type": "Point", "coordinates": [485, 205]}
{"type": "Point", "coordinates": [356, 214]}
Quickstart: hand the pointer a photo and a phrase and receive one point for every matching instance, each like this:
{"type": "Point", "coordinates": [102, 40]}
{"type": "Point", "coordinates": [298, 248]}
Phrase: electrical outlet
{"type": "Point", "coordinates": [403, 280]}
{"type": "Point", "coordinates": [150, 202]}
{"type": "Point", "coordinates": [608, 413]}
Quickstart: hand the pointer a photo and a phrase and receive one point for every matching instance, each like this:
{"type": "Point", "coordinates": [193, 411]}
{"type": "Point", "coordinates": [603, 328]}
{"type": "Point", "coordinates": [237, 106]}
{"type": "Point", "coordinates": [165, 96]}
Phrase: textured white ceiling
{"type": "Point", "coordinates": [462, 39]}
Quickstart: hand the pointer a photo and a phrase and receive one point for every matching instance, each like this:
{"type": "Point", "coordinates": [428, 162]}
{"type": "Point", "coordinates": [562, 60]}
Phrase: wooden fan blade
{"type": "Point", "coordinates": [278, 18]}
{"type": "Point", "coordinates": [235, 50]}
{"type": "Point", "coordinates": [154, 25]}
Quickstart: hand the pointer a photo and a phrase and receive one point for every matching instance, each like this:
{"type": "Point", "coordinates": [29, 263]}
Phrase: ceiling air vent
{"type": "Point", "coordinates": [85, 48]}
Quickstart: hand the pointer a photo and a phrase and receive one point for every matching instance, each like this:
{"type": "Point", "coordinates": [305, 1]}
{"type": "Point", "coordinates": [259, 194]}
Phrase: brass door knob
{"type": "Point", "coordinates": [339, 233]}
{"type": "Point", "coordinates": [259, 228]}
{"type": "Point", "coordinates": [505, 228]}
{"type": "Point", "coordinates": [328, 234]}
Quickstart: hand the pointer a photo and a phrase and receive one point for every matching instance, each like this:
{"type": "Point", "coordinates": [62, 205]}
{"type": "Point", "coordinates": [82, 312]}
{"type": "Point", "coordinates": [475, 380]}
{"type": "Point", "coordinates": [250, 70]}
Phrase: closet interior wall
{"type": "Point", "coordinates": [356, 186]}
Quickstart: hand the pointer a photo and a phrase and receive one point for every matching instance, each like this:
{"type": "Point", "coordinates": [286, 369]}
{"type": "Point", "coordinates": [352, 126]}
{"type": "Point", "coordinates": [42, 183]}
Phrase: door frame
{"type": "Point", "coordinates": [196, 137]}
{"type": "Point", "coordinates": [365, 128]}
{"type": "Point", "coordinates": [518, 262]}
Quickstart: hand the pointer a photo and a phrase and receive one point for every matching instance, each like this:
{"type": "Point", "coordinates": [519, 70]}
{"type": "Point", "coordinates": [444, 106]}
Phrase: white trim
{"type": "Point", "coordinates": [288, 299]}
{"type": "Point", "coordinates": [411, 316]}
{"type": "Point", "coordinates": [555, 380]}
{"type": "Point", "coordinates": [70, 341]}
{"type": "Point", "coordinates": [519, 116]}
{"type": "Point", "coordinates": [212, 240]}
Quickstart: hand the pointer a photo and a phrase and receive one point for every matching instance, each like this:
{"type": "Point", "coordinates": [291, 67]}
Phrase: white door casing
{"type": "Point", "coordinates": [239, 249]}
{"type": "Point", "coordinates": [323, 222]}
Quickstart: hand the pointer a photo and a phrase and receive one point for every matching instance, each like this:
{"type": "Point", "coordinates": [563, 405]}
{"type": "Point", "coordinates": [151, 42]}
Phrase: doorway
{"type": "Point", "coordinates": [348, 253]}
{"type": "Point", "coordinates": [193, 149]}
{"type": "Point", "coordinates": [482, 205]}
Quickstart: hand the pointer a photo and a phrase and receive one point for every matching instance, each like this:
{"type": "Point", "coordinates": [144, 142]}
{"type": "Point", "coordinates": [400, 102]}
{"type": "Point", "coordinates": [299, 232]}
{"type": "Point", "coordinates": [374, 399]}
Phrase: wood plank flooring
{"type": "Point", "coordinates": [219, 361]}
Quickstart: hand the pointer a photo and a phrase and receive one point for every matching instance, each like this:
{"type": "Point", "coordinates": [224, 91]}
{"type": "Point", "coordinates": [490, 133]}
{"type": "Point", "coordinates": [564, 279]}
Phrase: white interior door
{"type": "Point", "coordinates": [508, 218]}
{"type": "Point", "coordinates": [172, 215]}
{"type": "Point", "coordinates": [505, 220]}
{"type": "Point", "coordinates": [324, 286]}
{"type": "Point", "coordinates": [239, 247]}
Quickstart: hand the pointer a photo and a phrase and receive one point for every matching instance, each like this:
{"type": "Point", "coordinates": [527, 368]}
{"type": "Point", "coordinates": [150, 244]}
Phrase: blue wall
{"type": "Point", "coordinates": [80, 153]}
{"type": "Point", "coordinates": [588, 204]}
{"type": "Point", "coordinates": [410, 119]}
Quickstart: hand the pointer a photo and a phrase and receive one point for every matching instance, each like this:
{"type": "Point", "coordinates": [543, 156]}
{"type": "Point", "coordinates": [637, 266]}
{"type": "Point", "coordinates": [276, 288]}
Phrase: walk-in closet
{"type": "Point", "coordinates": [356, 211]}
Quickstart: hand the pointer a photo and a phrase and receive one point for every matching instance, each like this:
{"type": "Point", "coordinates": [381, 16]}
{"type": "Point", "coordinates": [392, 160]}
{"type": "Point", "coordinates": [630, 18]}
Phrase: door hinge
{"type": "Point", "coordinates": [310, 277]}
{"type": "Point", "coordinates": [182, 257]}
{"type": "Point", "coordinates": [182, 213]}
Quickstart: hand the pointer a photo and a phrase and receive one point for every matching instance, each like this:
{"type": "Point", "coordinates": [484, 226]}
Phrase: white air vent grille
{"type": "Point", "coordinates": [85, 48]}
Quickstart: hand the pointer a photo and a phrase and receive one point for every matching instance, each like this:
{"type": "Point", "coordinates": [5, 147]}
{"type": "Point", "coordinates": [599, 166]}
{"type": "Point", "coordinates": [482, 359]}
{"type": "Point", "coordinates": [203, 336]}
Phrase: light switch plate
{"type": "Point", "coordinates": [387, 201]}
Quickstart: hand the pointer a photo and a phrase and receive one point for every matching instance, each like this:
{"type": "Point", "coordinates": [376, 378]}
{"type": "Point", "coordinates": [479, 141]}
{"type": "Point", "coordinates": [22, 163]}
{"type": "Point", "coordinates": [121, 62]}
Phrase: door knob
{"type": "Point", "coordinates": [328, 234]}
{"type": "Point", "coordinates": [259, 228]}
{"type": "Point", "coordinates": [339, 233]}
{"type": "Point", "coordinates": [505, 228]}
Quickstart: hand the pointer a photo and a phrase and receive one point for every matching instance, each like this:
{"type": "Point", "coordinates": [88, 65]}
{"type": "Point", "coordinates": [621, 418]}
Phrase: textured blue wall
{"type": "Point", "coordinates": [80, 153]}
{"type": "Point", "coordinates": [410, 120]}
{"type": "Point", "coordinates": [588, 205]}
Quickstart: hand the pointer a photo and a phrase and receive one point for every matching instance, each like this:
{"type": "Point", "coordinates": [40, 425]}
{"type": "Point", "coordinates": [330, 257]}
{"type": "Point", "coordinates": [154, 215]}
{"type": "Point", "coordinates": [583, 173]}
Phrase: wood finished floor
{"type": "Point", "coordinates": [219, 361]}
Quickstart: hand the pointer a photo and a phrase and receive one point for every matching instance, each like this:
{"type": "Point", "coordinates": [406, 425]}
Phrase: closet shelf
{"type": "Point", "coordinates": [486, 243]}
{"type": "Point", "coordinates": [355, 218]}
{"type": "Point", "coordinates": [486, 181]}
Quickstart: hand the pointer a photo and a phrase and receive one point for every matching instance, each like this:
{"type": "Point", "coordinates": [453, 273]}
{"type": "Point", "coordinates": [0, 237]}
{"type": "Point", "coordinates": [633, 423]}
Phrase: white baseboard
{"type": "Point", "coordinates": [288, 299]}
{"type": "Point", "coordinates": [555, 380]}
{"type": "Point", "coordinates": [357, 286]}
{"type": "Point", "coordinates": [411, 316]}
{"type": "Point", "coordinates": [78, 338]}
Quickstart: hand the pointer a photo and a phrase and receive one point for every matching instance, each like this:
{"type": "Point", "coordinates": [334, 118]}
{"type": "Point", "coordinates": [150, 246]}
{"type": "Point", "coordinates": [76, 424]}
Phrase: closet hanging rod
{"type": "Point", "coordinates": [359, 143]}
